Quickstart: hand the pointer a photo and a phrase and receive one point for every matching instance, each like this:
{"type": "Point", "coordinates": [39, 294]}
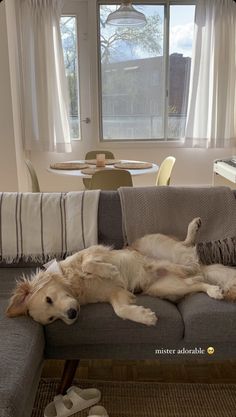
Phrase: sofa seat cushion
{"type": "Point", "coordinates": [208, 320]}
{"type": "Point", "coordinates": [98, 324]}
{"type": "Point", "coordinates": [21, 356]}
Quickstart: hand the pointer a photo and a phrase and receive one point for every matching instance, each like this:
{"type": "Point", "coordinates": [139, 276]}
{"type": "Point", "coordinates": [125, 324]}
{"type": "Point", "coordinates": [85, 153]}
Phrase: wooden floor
{"type": "Point", "coordinates": [159, 371]}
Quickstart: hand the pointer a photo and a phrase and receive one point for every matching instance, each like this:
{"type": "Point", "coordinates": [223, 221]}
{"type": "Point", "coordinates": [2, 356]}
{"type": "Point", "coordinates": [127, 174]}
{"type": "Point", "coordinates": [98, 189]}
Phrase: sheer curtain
{"type": "Point", "coordinates": [211, 120]}
{"type": "Point", "coordinates": [45, 96]}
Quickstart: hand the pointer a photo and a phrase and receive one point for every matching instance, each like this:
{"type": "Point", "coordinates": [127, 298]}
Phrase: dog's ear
{"type": "Point", "coordinates": [18, 302]}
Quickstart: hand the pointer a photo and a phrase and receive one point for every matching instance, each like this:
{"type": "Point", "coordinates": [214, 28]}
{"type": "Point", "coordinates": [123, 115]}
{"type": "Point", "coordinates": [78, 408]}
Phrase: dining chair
{"type": "Point", "coordinates": [33, 176]}
{"type": "Point", "coordinates": [165, 170]}
{"type": "Point", "coordinates": [111, 179]}
{"type": "Point", "coordinates": [92, 155]}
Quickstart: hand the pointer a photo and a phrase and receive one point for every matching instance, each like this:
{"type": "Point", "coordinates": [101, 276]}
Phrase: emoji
{"type": "Point", "coordinates": [210, 350]}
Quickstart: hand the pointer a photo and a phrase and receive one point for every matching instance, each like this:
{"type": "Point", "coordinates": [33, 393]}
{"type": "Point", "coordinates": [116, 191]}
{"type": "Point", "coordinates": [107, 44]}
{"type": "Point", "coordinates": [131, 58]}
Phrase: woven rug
{"type": "Point", "coordinates": [151, 399]}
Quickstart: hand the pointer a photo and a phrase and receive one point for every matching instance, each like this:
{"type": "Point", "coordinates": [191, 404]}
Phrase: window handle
{"type": "Point", "coordinates": [86, 120]}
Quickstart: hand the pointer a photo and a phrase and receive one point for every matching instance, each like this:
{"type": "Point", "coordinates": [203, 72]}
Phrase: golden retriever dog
{"type": "Point", "coordinates": [156, 265]}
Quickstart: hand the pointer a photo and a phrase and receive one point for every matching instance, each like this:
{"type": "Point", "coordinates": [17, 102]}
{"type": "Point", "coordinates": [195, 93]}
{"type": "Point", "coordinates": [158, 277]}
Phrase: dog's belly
{"type": "Point", "coordinates": [131, 266]}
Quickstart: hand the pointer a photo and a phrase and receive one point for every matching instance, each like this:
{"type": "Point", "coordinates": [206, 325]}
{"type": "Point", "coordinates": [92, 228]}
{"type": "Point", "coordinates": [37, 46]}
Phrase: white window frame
{"type": "Point", "coordinates": [165, 142]}
{"type": "Point", "coordinates": [79, 9]}
{"type": "Point", "coordinates": [78, 72]}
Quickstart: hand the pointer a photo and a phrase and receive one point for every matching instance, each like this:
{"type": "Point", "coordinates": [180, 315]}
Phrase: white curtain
{"type": "Point", "coordinates": [45, 96]}
{"type": "Point", "coordinates": [211, 120]}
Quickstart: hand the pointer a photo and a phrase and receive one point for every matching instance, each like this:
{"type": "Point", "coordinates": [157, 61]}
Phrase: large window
{"type": "Point", "coordinates": [144, 73]}
{"type": "Point", "coordinates": [68, 26]}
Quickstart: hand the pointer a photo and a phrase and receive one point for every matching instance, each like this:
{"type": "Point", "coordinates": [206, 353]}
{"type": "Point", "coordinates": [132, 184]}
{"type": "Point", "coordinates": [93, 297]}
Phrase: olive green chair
{"type": "Point", "coordinates": [92, 155]}
{"type": "Point", "coordinates": [111, 179]}
{"type": "Point", "coordinates": [165, 170]}
{"type": "Point", "coordinates": [33, 176]}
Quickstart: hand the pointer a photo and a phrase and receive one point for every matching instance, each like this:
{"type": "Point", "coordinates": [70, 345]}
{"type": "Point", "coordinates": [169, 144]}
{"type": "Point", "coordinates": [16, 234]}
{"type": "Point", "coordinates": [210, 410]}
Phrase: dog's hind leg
{"type": "Point", "coordinates": [174, 288]}
{"type": "Point", "coordinates": [121, 302]}
{"type": "Point", "coordinates": [193, 228]}
{"type": "Point", "coordinates": [230, 294]}
{"type": "Point", "coordinates": [223, 276]}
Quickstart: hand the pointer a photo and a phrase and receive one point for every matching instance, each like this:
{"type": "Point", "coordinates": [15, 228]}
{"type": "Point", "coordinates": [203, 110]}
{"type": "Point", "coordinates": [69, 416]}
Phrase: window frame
{"type": "Point", "coordinates": [165, 141]}
{"type": "Point", "coordinates": [75, 15]}
{"type": "Point", "coordinates": [81, 9]}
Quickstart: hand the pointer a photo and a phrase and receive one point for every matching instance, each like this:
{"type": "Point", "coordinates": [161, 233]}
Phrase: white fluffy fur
{"type": "Point", "coordinates": [156, 265]}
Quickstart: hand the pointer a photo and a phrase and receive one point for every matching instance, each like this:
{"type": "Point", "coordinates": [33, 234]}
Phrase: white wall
{"type": "Point", "coordinates": [13, 49]}
{"type": "Point", "coordinates": [8, 171]}
{"type": "Point", "coordinates": [13, 176]}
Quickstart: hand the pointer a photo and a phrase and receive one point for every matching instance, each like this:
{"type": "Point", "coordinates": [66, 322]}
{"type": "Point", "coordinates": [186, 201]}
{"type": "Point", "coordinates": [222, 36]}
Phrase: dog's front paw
{"type": "Point", "coordinates": [215, 292]}
{"type": "Point", "coordinates": [136, 313]}
{"type": "Point", "coordinates": [148, 317]}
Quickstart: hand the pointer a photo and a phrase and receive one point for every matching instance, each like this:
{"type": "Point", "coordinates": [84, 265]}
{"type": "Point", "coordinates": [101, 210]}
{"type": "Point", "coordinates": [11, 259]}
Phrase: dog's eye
{"type": "Point", "coordinates": [49, 300]}
{"type": "Point", "coordinates": [51, 319]}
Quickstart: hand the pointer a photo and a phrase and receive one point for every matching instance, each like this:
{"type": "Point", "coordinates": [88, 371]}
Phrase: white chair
{"type": "Point", "coordinates": [165, 170]}
{"type": "Point", "coordinates": [33, 177]}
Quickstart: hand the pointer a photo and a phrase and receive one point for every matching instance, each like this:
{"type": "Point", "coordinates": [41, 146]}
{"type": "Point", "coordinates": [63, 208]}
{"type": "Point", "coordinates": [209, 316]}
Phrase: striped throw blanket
{"type": "Point", "coordinates": [40, 226]}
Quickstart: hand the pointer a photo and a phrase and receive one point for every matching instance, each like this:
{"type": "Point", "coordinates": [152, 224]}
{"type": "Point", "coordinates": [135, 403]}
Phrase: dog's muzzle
{"type": "Point", "coordinates": [72, 313]}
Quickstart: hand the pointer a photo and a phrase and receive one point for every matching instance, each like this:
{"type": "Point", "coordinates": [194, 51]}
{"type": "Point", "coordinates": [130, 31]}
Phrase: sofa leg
{"type": "Point", "coordinates": [68, 375]}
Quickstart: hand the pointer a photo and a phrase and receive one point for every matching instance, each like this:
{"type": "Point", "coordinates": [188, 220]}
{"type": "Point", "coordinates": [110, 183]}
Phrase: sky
{"type": "Point", "coordinates": [181, 26]}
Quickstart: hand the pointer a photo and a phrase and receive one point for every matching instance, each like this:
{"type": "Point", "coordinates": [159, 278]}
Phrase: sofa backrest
{"type": "Point", "coordinates": [109, 225]}
{"type": "Point", "coordinates": [110, 220]}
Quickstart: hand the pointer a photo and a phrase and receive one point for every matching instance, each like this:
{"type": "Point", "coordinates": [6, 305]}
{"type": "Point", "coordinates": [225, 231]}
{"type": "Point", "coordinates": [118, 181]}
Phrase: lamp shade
{"type": "Point", "coordinates": [126, 15]}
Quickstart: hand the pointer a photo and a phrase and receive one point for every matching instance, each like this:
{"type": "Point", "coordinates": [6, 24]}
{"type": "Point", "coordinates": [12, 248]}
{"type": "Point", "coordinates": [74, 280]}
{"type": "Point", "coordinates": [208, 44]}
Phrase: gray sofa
{"type": "Point", "coordinates": [184, 330]}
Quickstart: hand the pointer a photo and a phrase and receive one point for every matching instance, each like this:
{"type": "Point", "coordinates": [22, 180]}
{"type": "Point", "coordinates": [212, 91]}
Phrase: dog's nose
{"type": "Point", "coordinates": [71, 313]}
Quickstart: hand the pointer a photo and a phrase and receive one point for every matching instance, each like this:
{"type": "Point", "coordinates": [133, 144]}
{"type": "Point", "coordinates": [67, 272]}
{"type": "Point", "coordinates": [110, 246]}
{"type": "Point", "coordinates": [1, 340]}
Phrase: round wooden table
{"type": "Point", "coordinates": [78, 173]}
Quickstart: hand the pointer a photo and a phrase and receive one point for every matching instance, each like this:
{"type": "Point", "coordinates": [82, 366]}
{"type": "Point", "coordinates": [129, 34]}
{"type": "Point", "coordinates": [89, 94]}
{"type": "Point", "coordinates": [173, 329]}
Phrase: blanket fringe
{"type": "Point", "coordinates": [219, 251]}
{"type": "Point", "coordinates": [35, 259]}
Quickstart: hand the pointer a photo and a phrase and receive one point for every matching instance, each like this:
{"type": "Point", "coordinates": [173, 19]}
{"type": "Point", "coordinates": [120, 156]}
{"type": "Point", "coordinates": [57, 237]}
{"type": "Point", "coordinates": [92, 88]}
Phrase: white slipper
{"type": "Point", "coordinates": [75, 400]}
{"type": "Point", "coordinates": [98, 411]}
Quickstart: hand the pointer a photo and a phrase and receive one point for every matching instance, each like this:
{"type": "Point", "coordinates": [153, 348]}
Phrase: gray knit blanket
{"type": "Point", "coordinates": [40, 226]}
{"type": "Point", "coordinates": [169, 210]}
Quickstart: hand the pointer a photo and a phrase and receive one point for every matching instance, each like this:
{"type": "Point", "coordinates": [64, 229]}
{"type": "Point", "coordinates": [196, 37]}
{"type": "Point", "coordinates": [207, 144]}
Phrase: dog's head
{"type": "Point", "coordinates": [45, 297]}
